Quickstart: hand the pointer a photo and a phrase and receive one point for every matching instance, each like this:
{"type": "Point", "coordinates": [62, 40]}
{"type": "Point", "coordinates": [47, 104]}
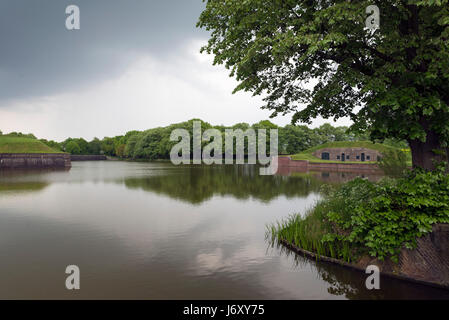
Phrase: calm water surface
{"type": "Point", "coordinates": [156, 231]}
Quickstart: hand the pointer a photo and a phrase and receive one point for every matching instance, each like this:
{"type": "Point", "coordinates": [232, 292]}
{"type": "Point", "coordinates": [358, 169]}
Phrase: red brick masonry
{"type": "Point", "coordinates": [350, 154]}
{"type": "Point", "coordinates": [34, 160]}
{"type": "Point", "coordinates": [427, 264]}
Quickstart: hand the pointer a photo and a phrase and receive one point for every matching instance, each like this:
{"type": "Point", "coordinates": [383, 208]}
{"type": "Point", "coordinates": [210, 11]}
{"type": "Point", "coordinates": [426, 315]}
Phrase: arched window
{"type": "Point", "coordinates": [325, 156]}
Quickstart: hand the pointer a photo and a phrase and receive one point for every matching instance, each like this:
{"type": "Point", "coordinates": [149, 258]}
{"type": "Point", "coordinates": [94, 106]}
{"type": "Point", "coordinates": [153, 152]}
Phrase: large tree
{"type": "Point", "coordinates": [317, 58]}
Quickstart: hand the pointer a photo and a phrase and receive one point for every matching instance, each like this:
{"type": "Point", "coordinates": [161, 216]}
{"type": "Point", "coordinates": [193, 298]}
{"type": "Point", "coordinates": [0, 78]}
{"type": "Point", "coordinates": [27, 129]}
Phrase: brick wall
{"type": "Point", "coordinates": [34, 160]}
{"type": "Point", "coordinates": [354, 154]}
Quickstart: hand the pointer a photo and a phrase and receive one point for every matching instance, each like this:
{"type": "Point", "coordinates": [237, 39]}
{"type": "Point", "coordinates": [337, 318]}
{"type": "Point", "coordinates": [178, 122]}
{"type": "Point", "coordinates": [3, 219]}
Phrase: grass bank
{"type": "Point", "coordinates": [362, 218]}
{"type": "Point", "coordinates": [23, 145]}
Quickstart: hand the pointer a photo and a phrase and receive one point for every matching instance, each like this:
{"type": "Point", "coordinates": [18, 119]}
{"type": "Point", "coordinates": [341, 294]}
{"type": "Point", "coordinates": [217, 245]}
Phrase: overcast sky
{"type": "Point", "coordinates": [133, 65]}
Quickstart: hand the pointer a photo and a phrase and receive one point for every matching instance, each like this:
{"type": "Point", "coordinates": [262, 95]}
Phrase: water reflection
{"type": "Point", "coordinates": [324, 175]}
{"type": "Point", "coordinates": [199, 184]}
{"type": "Point", "coordinates": [350, 284]}
{"type": "Point", "coordinates": [15, 181]}
{"type": "Point", "coordinates": [156, 231]}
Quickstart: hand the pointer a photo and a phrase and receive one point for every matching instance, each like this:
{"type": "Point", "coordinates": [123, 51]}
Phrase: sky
{"type": "Point", "coordinates": [132, 65]}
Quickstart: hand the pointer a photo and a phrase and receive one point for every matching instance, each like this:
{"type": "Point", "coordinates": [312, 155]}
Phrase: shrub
{"type": "Point", "coordinates": [393, 163]}
{"type": "Point", "coordinates": [377, 219]}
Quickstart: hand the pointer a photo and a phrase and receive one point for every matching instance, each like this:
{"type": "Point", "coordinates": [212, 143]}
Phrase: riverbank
{"type": "Point", "coordinates": [427, 264]}
{"type": "Point", "coordinates": [34, 160]}
{"type": "Point", "coordinates": [400, 225]}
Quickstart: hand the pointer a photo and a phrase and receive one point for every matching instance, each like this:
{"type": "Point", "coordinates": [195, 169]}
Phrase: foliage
{"type": "Point", "coordinates": [52, 144]}
{"type": "Point", "coordinates": [20, 135]}
{"type": "Point", "coordinates": [155, 143]}
{"type": "Point", "coordinates": [393, 163]}
{"type": "Point", "coordinates": [307, 232]}
{"type": "Point", "coordinates": [94, 147]}
{"type": "Point", "coordinates": [73, 148]}
{"type": "Point", "coordinates": [394, 81]}
{"type": "Point", "coordinates": [201, 183]}
{"type": "Point", "coordinates": [377, 219]}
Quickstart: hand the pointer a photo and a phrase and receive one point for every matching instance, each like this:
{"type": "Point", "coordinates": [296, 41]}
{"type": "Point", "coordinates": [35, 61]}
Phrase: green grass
{"type": "Point", "coordinates": [23, 145]}
{"type": "Point", "coordinates": [363, 218]}
{"type": "Point", "coordinates": [306, 232]}
{"type": "Point", "coordinates": [307, 154]}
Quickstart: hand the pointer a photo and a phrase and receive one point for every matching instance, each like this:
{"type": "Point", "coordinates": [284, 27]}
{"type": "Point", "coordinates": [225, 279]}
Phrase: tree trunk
{"type": "Point", "coordinates": [427, 154]}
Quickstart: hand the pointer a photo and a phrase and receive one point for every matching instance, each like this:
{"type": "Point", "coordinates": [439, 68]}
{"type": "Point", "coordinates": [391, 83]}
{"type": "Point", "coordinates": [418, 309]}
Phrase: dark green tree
{"type": "Point", "coordinates": [84, 145]}
{"type": "Point", "coordinates": [107, 146]}
{"type": "Point", "coordinates": [393, 81]}
{"type": "Point", "coordinates": [72, 147]}
{"type": "Point", "coordinates": [94, 146]}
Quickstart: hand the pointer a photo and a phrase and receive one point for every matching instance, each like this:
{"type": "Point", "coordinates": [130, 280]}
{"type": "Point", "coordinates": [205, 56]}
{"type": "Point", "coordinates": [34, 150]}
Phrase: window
{"type": "Point", "coordinates": [338, 157]}
{"type": "Point", "coordinates": [358, 157]}
{"type": "Point", "coordinates": [325, 156]}
{"type": "Point", "coordinates": [347, 157]}
{"type": "Point", "coordinates": [368, 157]}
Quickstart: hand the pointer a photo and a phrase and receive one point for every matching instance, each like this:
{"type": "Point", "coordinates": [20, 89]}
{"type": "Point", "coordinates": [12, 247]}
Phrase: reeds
{"type": "Point", "coordinates": [311, 232]}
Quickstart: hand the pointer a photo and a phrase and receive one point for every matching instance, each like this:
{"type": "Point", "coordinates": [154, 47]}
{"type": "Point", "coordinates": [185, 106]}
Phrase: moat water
{"type": "Point", "coordinates": [156, 231]}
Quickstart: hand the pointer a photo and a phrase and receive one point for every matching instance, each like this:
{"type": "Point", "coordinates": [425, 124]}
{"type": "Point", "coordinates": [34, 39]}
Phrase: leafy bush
{"type": "Point", "coordinates": [393, 163]}
{"type": "Point", "coordinates": [377, 219]}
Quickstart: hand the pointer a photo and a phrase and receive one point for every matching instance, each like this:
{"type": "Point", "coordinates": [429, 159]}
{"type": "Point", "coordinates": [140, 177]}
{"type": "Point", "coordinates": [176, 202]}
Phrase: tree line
{"type": "Point", "coordinates": [155, 143]}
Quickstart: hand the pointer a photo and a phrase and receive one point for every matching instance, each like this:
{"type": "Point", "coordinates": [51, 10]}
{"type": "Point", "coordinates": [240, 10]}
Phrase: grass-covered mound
{"type": "Point", "coordinates": [307, 154]}
{"type": "Point", "coordinates": [364, 218]}
{"type": "Point", "coordinates": [23, 145]}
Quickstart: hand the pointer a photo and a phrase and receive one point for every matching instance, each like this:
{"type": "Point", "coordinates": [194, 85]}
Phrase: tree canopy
{"type": "Point", "coordinates": [155, 143]}
{"type": "Point", "coordinates": [317, 58]}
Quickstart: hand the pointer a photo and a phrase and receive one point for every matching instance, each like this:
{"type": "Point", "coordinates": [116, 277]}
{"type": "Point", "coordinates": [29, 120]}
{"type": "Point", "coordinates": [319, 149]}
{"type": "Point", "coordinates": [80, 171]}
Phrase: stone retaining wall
{"type": "Point", "coordinates": [427, 264]}
{"type": "Point", "coordinates": [34, 160]}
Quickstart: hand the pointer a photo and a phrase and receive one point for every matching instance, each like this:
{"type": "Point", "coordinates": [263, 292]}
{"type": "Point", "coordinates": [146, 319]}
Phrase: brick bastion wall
{"type": "Point", "coordinates": [34, 160]}
{"type": "Point", "coordinates": [348, 154]}
{"type": "Point", "coordinates": [427, 264]}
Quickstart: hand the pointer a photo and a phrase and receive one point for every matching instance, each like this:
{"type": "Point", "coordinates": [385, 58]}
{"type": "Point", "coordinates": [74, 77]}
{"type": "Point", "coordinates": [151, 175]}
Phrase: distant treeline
{"type": "Point", "coordinates": [155, 143]}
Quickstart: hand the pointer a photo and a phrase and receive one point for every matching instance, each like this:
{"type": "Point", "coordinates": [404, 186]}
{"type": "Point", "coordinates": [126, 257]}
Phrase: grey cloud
{"type": "Point", "coordinates": [38, 56]}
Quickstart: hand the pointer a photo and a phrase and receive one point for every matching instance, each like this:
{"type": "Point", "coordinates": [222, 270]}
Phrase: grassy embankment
{"type": "Point", "coordinates": [363, 218]}
{"type": "Point", "coordinates": [376, 219]}
{"type": "Point", "coordinates": [307, 154]}
{"type": "Point", "coordinates": [23, 145]}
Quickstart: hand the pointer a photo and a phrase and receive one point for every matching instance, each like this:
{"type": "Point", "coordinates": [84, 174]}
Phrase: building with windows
{"type": "Point", "coordinates": [348, 154]}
